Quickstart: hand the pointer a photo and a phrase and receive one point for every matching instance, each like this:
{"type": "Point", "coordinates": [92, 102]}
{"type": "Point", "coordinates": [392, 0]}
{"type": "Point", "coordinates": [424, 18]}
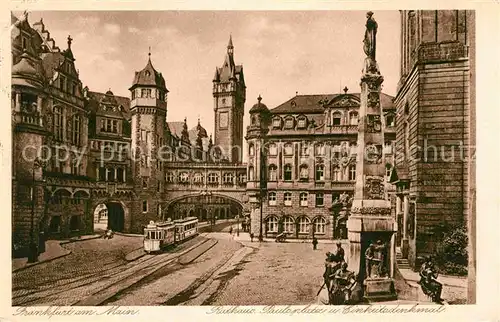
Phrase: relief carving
{"type": "Point", "coordinates": [373, 124]}
{"type": "Point", "coordinates": [373, 153]}
{"type": "Point", "coordinates": [371, 211]}
{"type": "Point", "coordinates": [374, 100]}
{"type": "Point", "coordinates": [374, 187]}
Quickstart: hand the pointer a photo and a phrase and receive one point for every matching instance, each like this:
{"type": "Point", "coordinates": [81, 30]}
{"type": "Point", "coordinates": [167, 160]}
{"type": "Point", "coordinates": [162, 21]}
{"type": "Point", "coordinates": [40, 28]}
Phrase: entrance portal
{"type": "Point", "coordinates": [205, 208]}
{"type": "Point", "coordinates": [109, 216]}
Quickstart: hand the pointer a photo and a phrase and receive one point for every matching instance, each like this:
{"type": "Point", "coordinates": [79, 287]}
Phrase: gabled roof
{"type": "Point", "coordinates": [96, 97]}
{"type": "Point", "coordinates": [175, 128]}
{"type": "Point", "coordinates": [311, 103]}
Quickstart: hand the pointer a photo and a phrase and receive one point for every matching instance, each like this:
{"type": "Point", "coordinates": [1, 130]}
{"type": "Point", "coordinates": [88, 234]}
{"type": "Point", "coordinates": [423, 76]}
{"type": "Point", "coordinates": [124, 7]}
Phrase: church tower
{"type": "Point", "coordinates": [148, 107]}
{"type": "Point", "coordinates": [229, 100]}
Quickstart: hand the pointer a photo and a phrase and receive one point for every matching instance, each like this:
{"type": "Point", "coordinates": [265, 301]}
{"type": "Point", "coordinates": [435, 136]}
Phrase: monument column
{"type": "Point", "coordinates": [370, 225]}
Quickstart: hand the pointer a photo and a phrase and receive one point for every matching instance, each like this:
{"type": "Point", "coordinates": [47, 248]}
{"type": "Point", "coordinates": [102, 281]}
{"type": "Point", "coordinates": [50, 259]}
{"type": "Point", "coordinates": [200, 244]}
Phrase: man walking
{"type": "Point", "coordinates": [315, 243]}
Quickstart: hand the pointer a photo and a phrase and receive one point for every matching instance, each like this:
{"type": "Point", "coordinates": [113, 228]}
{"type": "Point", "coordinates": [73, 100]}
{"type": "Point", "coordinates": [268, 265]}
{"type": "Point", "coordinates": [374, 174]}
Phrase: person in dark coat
{"type": "Point", "coordinates": [340, 253]}
{"type": "Point", "coordinates": [251, 237]}
{"type": "Point", "coordinates": [315, 243]}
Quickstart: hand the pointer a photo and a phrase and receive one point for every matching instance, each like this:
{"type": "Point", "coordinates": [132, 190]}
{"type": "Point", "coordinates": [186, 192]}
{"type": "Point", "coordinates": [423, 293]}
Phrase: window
{"type": "Point", "coordinates": [228, 178]}
{"type": "Point", "coordinates": [320, 149]}
{"type": "Point", "coordinates": [158, 189]}
{"type": "Point", "coordinates": [24, 42]}
{"type": "Point", "coordinates": [303, 199]}
{"type": "Point", "coordinates": [183, 177]}
{"type": "Point", "coordinates": [110, 126]}
{"type": "Point", "coordinates": [304, 172]}
{"type": "Point", "coordinates": [272, 198]}
{"type": "Point", "coordinates": [352, 172]}
{"type": "Point", "coordinates": [250, 174]}
{"type": "Point", "coordinates": [289, 123]}
{"type": "Point", "coordinates": [74, 223]}
{"type": "Point", "coordinates": [242, 178]}
{"type": "Point", "coordinates": [388, 169]}
{"type": "Point", "coordinates": [288, 225]}
{"type": "Point", "coordinates": [75, 167]}
{"type": "Point", "coordinates": [62, 83]}
{"type": "Point", "coordinates": [304, 225]}
{"type": "Point", "coordinates": [55, 224]}
{"type": "Point", "coordinates": [320, 172]}
{"type": "Point", "coordinates": [75, 135]}
{"type": "Point", "coordinates": [301, 124]}
{"type": "Point", "coordinates": [388, 148]}
{"type": "Point", "coordinates": [336, 173]}
{"type": "Point", "coordinates": [304, 148]}
{"type": "Point", "coordinates": [319, 225]}
{"type": "Point", "coordinates": [288, 172]}
{"type": "Point", "coordinates": [58, 122]}
{"type": "Point", "coordinates": [273, 173]}
{"type": "Point", "coordinates": [169, 177]}
{"type": "Point", "coordinates": [336, 118]}
{"type": "Point", "coordinates": [353, 118]}
{"type": "Point", "coordinates": [272, 224]}
{"type": "Point", "coordinates": [273, 149]}
{"type": "Point", "coordinates": [198, 178]}
{"type": "Point", "coordinates": [320, 199]}
{"type": "Point", "coordinates": [144, 183]}
{"type": "Point", "coordinates": [213, 178]}
{"type": "Point", "coordinates": [254, 120]}
{"type": "Point", "coordinates": [120, 175]}
{"type": "Point", "coordinates": [390, 120]}
{"type": "Point", "coordinates": [276, 123]}
{"type": "Point", "coordinates": [251, 150]}
{"type": "Point", "coordinates": [288, 198]}
{"type": "Point", "coordinates": [144, 206]}
{"type": "Point", "coordinates": [288, 149]}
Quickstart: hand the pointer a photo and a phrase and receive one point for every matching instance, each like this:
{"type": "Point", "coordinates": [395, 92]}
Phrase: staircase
{"type": "Point", "coordinates": [401, 262]}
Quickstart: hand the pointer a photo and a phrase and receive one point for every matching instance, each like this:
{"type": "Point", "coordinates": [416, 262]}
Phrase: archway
{"type": "Point", "coordinates": [206, 207]}
{"type": "Point", "coordinates": [109, 215]}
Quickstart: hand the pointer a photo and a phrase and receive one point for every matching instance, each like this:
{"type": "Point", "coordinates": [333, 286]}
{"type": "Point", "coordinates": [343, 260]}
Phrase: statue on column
{"type": "Point", "coordinates": [375, 260]}
{"type": "Point", "coordinates": [370, 43]}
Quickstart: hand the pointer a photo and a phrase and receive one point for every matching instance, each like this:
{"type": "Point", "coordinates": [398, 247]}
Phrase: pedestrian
{"type": "Point", "coordinates": [231, 230]}
{"type": "Point", "coordinates": [251, 237]}
{"type": "Point", "coordinates": [315, 243]}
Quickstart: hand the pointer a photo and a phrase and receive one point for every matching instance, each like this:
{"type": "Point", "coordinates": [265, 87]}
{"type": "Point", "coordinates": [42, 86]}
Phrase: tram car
{"type": "Point", "coordinates": [158, 236]}
{"type": "Point", "coordinates": [186, 228]}
{"type": "Point", "coordinates": [163, 234]}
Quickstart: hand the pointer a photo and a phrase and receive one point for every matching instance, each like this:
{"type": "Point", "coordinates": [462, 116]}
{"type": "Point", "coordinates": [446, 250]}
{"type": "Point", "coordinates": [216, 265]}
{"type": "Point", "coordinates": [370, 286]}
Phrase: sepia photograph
{"type": "Point", "coordinates": [243, 158]}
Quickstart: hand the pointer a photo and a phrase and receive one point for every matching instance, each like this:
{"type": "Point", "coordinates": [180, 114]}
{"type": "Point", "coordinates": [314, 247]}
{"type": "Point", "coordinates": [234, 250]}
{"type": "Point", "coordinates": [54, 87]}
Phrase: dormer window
{"type": "Point", "coordinates": [277, 123]}
{"type": "Point", "coordinates": [301, 123]}
{"type": "Point", "coordinates": [336, 118]}
{"type": "Point", "coordinates": [293, 104]}
{"type": "Point", "coordinates": [289, 123]}
{"type": "Point", "coordinates": [148, 73]}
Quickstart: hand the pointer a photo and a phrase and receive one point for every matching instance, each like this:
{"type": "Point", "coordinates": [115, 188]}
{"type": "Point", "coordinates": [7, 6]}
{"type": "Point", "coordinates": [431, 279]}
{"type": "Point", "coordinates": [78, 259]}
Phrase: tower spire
{"type": "Point", "coordinates": [230, 47]}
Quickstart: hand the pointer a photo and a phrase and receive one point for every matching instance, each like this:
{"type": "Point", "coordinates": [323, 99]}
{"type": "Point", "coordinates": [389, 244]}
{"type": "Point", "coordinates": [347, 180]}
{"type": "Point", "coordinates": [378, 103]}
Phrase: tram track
{"type": "Point", "coordinates": [116, 274]}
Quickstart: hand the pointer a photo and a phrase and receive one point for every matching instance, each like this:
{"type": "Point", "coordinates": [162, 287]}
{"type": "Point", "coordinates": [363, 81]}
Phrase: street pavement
{"type": "Point", "coordinates": [227, 271]}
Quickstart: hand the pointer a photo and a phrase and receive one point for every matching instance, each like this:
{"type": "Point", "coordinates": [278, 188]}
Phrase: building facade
{"type": "Point", "coordinates": [433, 104]}
{"type": "Point", "coordinates": [302, 163]}
{"type": "Point", "coordinates": [85, 159]}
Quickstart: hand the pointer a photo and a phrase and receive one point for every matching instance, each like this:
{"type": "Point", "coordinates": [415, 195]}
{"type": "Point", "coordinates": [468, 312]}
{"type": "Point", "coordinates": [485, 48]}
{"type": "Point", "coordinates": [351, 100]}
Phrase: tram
{"type": "Point", "coordinates": [163, 234]}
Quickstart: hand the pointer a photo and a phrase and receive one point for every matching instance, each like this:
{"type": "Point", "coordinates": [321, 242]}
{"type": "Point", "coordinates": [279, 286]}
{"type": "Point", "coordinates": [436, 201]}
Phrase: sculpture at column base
{"type": "Point", "coordinates": [379, 289]}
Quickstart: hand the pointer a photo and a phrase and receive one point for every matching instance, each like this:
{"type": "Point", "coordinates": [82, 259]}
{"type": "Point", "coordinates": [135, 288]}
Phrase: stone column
{"type": "Point", "coordinates": [39, 103]}
{"type": "Point", "coordinates": [124, 175]}
{"type": "Point", "coordinates": [405, 243]}
{"type": "Point", "coordinates": [370, 221]}
{"type": "Point", "coordinates": [18, 101]}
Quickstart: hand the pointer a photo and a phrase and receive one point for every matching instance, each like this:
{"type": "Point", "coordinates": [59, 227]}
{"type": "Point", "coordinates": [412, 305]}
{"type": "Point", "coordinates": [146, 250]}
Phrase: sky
{"type": "Point", "coordinates": [282, 52]}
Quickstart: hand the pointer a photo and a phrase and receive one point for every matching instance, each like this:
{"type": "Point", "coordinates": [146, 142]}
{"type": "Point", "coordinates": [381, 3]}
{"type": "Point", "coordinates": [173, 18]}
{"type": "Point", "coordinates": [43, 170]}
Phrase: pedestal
{"type": "Point", "coordinates": [379, 289]}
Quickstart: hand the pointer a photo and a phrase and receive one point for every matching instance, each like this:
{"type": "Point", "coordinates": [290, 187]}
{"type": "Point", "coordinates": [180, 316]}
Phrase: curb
{"type": "Point", "coordinates": [40, 262]}
{"type": "Point", "coordinates": [79, 240]}
{"type": "Point", "coordinates": [128, 235]}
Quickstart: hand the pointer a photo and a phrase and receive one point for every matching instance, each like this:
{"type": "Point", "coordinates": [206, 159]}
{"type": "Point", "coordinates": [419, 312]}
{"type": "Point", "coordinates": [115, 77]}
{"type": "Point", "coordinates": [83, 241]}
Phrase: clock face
{"type": "Point", "coordinates": [223, 120]}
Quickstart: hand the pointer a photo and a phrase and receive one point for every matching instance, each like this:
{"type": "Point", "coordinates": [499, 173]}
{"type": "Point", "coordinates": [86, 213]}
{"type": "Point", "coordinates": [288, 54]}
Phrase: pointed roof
{"type": "Point", "coordinates": [68, 52]}
{"type": "Point", "coordinates": [229, 69]}
{"type": "Point", "coordinates": [149, 76]}
{"type": "Point", "coordinates": [259, 107]}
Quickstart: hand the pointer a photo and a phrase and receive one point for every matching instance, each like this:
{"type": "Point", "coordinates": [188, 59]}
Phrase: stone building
{"type": "Point", "coordinates": [433, 103]}
{"type": "Point", "coordinates": [82, 156]}
{"type": "Point", "coordinates": [302, 161]}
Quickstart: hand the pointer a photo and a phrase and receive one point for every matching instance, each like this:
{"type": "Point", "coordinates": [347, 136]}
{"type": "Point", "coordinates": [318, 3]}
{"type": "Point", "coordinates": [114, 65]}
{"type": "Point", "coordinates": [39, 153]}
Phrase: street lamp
{"type": "Point", "coordinates": [237, 225]}
{"type": "Point", "coordinates": [33, 248]}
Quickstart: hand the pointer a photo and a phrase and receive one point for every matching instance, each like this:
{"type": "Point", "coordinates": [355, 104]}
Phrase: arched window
{"type": "Point", "coordinates": [319, 225]}
{"type": "Point", "coordinates": [198, 178]}
{"type": "Point", "coordinates": [320, 149]}
{"type": "Point", "coordinates": [272, 224]}
{"type": "Point", "coordinates": [273, 149]}
{"type": "Point", "coordinates": [272, 172]}
{"type": "Point", "coordinates": [304, 172]}
{"type": "Point", "coordinates": [288, 172]}
{"type": "Point", "coordinates": [250, 174]}
{"type": "Point", "coordinates": [304, 223]}
{"type": "Point", "coordinates": [288, 224]}
{"type": "Point", "coordinates": [287, 198]}
{"type": "Point", "coordinates": [254, 120]}
{"type": "Point", "coordinates": [353, 118]}
{"type": "Point", "coordinates": [320, 172]}
{"type": "Point", "coordinates": [303, 199]}
{"type": "Point", "coordinates": [288, 149]}
{"type": "Point", "coordinates": [390, 120]}
{"type": "Point", "coordinates": [272, 198]}
{"type": "Point", "coordinates": [75, 131]}
{"type": "Point", "coordinates": [336, 118]}
{"type": "Point", "coordinates": [251, 149]}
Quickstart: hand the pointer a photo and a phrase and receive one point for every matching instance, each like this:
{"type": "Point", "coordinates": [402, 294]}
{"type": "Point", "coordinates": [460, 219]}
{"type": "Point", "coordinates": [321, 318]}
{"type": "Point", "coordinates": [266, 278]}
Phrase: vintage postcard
{"type": "Point", "coordinates": [293, 163]}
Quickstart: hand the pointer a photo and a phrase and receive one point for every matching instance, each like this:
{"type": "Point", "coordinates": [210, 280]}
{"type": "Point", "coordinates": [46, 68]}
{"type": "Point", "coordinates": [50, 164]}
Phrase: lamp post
{"type": "Point", "coordinates": [33, 248]}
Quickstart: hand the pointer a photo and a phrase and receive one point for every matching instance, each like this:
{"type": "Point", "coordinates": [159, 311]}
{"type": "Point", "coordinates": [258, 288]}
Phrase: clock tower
{"type": "Point", "coordinates": [229, 100]}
